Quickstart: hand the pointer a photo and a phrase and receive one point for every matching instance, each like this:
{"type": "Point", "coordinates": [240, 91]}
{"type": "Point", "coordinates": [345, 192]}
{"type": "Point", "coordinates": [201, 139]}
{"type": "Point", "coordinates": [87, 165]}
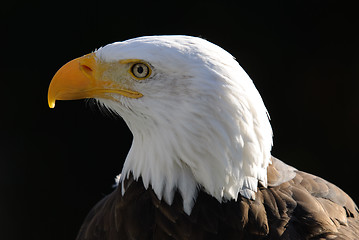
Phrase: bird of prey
{"type": "Point", "coordinates": [200, 164]}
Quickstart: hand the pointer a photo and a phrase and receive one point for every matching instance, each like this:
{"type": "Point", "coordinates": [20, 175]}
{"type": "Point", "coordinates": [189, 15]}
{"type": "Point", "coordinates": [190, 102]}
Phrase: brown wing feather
{"type": "Point", "coordinates": [296, 205]}
{"type": "Point", "coordinates": [310, 208]}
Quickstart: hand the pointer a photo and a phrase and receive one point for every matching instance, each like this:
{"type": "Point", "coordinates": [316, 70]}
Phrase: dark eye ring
{"type": "Point", "coordinates": [140, 70]}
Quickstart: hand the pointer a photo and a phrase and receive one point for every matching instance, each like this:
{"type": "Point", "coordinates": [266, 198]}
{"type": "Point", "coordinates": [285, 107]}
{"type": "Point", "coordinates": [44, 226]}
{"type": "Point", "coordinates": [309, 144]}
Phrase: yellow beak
{"type": "Point", "coordinates": [80, 79]}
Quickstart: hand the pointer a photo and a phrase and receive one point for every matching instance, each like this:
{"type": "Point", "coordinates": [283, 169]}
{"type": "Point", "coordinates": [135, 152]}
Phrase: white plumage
{"type": "Point", "coordinates": [201, 133]}
{"type": "Point", "coordinates": [200, 122]}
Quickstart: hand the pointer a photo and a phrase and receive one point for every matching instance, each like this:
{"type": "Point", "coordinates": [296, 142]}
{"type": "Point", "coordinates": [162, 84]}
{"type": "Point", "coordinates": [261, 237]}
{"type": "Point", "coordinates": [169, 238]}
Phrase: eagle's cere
{"type": "Point", "coordinates": [200, 128]}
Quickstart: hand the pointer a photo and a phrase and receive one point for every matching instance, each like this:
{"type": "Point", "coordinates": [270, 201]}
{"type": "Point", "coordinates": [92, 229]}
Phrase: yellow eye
{"type": "Point", "coordinates": [140, 70]}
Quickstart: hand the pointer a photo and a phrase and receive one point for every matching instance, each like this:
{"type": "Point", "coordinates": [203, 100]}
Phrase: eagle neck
{"type": "Point", "coordinates": [154, 159]}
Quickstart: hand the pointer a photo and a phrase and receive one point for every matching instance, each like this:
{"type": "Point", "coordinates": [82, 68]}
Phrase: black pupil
{"type": "Point", "coordinates": [140, 69]}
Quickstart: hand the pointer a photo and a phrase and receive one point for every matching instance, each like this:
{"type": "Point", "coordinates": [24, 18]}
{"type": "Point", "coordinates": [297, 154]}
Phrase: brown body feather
{"type": "Point", "coordinates": [304, 207]}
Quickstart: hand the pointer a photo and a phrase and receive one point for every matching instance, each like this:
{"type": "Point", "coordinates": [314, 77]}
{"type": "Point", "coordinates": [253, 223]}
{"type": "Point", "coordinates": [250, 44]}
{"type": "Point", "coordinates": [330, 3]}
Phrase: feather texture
{"type": "Point", "coordinates": [200, 165]}
{"type": "Point", "coordinates": [305, 207]}
{"type": "Point", "coordinates": [197, 104]}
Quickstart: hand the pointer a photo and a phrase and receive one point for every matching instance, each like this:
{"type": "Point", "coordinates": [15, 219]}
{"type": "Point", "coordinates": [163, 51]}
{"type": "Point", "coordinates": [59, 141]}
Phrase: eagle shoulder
{"type": "Point", "coordinates": [307, 206]}
{"type": "Point", "coordinates": [294, 205]}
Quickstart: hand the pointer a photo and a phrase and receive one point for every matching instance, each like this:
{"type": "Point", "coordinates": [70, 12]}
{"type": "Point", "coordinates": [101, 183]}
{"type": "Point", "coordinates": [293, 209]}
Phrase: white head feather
{"type": "Point", "coordinates": [201, 122]}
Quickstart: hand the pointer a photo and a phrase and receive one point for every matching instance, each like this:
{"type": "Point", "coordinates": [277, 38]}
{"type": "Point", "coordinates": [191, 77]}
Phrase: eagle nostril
{"type": "Point", "coordinates": [86, 70]}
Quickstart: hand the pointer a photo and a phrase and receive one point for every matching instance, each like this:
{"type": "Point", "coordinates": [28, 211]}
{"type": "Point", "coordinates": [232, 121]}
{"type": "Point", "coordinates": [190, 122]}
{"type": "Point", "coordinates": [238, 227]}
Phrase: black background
{"type": "Point", "coordinates": [56, 164]}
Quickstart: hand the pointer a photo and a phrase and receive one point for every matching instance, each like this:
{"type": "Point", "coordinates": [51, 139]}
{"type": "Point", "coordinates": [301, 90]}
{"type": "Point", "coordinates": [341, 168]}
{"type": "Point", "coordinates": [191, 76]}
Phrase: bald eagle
{"type": "Point", "coordinates": [200, 165]}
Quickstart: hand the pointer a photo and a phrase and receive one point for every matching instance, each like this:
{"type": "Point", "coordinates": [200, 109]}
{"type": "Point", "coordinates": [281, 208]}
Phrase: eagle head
{"type": "Point", "coordinates": [197, 120]}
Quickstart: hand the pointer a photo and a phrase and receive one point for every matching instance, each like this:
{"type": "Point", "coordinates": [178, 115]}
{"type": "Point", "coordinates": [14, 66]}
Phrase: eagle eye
{"type": "Point", "coordinates": [140, 70]}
